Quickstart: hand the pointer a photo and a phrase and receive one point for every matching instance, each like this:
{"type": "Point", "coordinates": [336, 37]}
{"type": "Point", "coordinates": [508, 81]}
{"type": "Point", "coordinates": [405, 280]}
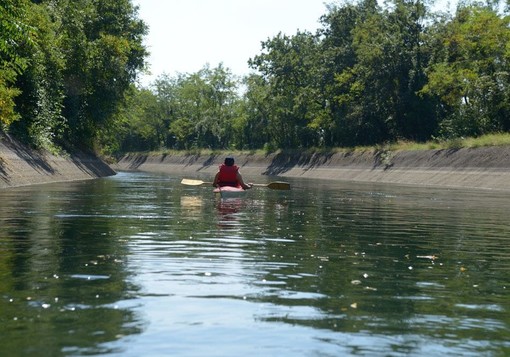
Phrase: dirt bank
{"type": "Point", "coordinates": [20, 166]}
{"type": "Point", "coordinates": [480, 168]}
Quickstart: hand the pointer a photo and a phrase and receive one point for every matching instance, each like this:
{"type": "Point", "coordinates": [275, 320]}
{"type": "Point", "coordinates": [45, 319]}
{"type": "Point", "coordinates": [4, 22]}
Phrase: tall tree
{"type": "Point", "coordinates": [221, 96]}
{"type": "Point", "coordinates": [205, 112]}
{"type": "Point", "coordinates": [289, 66]}
{"type": "Point", "coordinates": [251, 126]}
{"type": "Point", "coordinates": [469, 73]}
{"type": "Point", "coordinates": [41, 100]}
{"type": "Point", "coordinates": [104, 51]}
{"type": "Point", "coordinates": [337, 59]}
{"type": "Point", "coordinates": [381, 87]}
{"type": "Point", "coordinates": [14, 32]}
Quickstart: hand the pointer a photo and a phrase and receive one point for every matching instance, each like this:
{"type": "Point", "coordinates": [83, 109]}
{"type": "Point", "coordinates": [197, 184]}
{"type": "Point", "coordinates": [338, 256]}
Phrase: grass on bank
{"type": "Point", "coordinates": [501, 139]}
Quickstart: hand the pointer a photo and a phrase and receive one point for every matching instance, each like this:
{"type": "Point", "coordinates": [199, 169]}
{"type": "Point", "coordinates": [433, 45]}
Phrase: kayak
{"type": "Point", "coordinates": [228, 191]}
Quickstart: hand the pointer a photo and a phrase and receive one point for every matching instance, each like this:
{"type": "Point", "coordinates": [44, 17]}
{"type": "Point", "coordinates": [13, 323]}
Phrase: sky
{"type": "Point", "coordinates": [185, 35]}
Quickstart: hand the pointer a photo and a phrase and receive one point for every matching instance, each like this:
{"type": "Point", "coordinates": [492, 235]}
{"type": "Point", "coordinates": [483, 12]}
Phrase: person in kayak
{"type": "Point", "coordinates": [229, 175]}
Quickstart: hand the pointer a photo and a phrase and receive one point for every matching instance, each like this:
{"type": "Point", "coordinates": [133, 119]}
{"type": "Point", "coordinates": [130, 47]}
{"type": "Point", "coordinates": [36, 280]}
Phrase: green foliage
{"type": "Point", "coordinates": [206, 107]}
{"type": "Point", "coordinates": [470, 74]}
{"type": "Point", "coordinates": [338, 58]}
{"type": "Point", "coordinates": [40, 103]}
{"type": "Point", "coordinates": [14, 32]}
{"type": "Point", "coordinates": [291, 72]}
{"type": "Point", "coordinates": [104, 40]}
{"type": "Point", "coordinates": [251, 129]}
{"type": "Point", "coordinates": [65, 67]}
{"type": "Point", "coordinates": [378, 92]}
{"type": "Point", "coordinates": [370, 75]}
{"type": "Point", "coordinates": [7, 95]}
{"type": "Point", "coordinates": [184, 112]}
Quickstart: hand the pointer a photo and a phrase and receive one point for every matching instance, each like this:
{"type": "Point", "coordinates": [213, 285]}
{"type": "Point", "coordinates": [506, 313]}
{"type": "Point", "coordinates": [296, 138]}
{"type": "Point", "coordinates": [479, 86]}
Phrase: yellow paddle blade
{"type": "Point", "coordinates": [277, 185]}
{"type": "Point", "coordinates": [190, 182]}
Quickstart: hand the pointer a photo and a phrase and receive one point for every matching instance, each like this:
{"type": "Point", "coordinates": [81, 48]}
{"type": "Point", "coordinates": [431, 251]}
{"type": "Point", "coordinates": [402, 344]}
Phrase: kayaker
{"type": "Point", "coordinates": [229, 175]}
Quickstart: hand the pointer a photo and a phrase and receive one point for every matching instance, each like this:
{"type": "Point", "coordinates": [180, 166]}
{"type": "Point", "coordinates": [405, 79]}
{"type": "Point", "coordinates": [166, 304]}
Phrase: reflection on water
{"type": "Point", "coordinates": [139, 265]}
{"type": "Point", "coordinates": [63, 277]}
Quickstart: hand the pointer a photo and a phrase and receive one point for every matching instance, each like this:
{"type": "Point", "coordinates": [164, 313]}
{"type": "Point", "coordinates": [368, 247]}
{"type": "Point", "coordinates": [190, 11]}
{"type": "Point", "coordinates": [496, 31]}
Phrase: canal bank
{"type": "Point", "coordinates": [476, 168]}
{"type": "Point", "coordinates": [21, 166]}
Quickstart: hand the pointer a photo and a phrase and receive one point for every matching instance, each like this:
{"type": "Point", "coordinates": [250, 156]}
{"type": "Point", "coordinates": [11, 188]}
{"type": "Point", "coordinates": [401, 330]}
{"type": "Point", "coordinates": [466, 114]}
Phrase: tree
{"type": "Point", "coordinates": [372, 74]}
{"type": "Point", "coordinates": [103, 46]}
{"type": "Point", "coordinates": [204, 115]}
{"type": "Point", "coordinates": [251, 125]}
{"type": "Point", "coordinates": [338, 57]}
{"type": "Point", "coordinates": [41, 83]}
{"type": "Point", "coordinates": [469, 74]}
{"type": "Point", "coordinates": [65, 67]}
{"type": "Point", "coordinates": [379, 92]}
{"type": "Point", "coordinates": [14, 32]}
{"type": "Point", "coordinates": [167, 94]}
{"type": "Point", "coordinates": [289, 67]}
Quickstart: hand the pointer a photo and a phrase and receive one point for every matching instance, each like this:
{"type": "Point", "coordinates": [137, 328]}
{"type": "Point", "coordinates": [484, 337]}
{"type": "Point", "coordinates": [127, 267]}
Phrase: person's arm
{"type": "Point", "coordinates": [243, 185]}
{"type": "Point", "coordinates": [215, 182]}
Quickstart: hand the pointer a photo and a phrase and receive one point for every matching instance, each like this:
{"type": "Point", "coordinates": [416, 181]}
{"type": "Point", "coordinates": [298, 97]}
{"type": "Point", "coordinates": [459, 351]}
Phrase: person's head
{"type": "Point", "coordinates": [229, 161]}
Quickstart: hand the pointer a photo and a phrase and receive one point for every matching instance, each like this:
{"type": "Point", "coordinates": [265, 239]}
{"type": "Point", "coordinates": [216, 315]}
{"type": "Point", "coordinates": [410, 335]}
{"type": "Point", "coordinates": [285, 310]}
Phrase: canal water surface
{"type": "Point", "coordinates": [140, 265]}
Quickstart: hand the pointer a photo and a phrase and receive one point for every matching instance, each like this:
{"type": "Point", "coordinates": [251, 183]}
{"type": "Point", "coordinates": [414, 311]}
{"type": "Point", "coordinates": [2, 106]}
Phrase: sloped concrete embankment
{"type": "Point", "coordinates": [480, 168]}
{"type": "Point", "coordinates": [21, 166]}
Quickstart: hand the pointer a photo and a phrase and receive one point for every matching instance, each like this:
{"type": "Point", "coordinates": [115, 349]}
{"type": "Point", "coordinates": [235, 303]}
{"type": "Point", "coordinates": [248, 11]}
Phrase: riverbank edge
{"type": "Point", "coordinates": [473, 168]}
{"type": "Point", "coordinates": [22, 166]}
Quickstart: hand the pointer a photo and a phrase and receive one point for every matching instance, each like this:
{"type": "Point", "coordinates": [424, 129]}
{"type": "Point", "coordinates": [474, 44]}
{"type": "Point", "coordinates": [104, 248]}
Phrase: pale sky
{"type": "Point", "coordinates": [184, 35]}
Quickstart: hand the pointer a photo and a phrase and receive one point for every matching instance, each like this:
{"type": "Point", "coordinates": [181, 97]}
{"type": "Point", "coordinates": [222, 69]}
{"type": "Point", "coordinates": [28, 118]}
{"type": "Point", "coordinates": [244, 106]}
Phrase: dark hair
{"type": "Point", "coordinates": [229, 161]}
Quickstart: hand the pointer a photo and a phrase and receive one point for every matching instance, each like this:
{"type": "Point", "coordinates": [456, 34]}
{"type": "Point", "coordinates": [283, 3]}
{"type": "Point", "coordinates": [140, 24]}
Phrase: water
{"type": "Point", "coordinates": [139, 265]}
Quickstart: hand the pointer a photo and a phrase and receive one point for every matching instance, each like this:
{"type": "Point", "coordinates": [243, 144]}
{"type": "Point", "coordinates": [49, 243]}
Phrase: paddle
{"type": "Point", "coordinates": [190, 182]}
{"type": "Point", "coordinates": [277, 185]}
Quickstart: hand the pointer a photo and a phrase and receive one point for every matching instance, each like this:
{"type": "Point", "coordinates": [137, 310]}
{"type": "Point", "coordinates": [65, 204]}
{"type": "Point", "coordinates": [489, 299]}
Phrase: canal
{"type": "Point", "coordinates": [139, 265]}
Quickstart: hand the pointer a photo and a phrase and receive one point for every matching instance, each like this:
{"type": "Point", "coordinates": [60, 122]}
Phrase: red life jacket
{"type": "Point", "coordinates": [228, 176]}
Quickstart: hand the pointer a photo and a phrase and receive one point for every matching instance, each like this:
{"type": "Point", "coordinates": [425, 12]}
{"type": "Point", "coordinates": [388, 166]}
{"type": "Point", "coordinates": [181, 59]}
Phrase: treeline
{"type": "Point", "coordinates": [65, 67]}
{"type": "Point", "coordinates": [370, 74]}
